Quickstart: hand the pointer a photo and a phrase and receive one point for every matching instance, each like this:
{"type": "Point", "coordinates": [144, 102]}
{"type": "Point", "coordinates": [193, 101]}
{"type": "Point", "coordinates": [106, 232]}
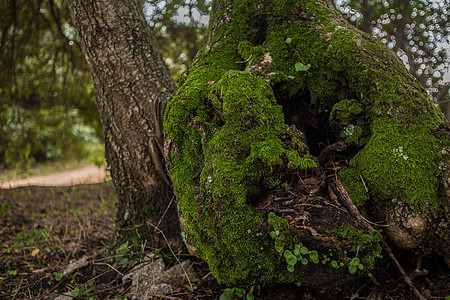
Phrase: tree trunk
{"type": "Point", "coordinates": [253, 203]}
{"type": "Point", "coordinates": [132, 87]}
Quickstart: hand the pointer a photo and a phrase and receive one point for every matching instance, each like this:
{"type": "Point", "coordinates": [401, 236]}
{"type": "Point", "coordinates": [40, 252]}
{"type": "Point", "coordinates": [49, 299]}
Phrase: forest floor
{"type": "Point", "coordinates": [43, 230]}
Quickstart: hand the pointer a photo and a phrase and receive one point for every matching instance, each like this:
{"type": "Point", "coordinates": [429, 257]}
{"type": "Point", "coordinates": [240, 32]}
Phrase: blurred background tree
{"type": "Point", "coordinates": [417, 30]}
{"type": "Point", "coordinates": [180, 27]}
{"type": "Point", "coordinates": [47, 105]}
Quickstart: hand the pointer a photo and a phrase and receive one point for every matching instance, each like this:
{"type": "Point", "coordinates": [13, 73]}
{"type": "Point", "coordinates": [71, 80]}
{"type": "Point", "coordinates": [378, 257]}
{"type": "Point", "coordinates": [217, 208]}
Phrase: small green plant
{"type": "Point", "coordinates": [123, 254]}
{"type": "Point", "coordinates": [300, 67]}
{"type": "Point", "coordinates": [314, 256]}
{"type": "Point", "coordinates": [274, 234]}
{"type": "Point", "coordinates": [291, 260]}
{"type": "Point", "coordinates": [229, 293]}
{"type": "Point", "coordinates": [355, 264]}
{"type": "Point", "coordinates": [300, 254]}
{"type": "Point", "coordinates": [334, 264]}
{"type": "Point", "coordinates": [58, 276]}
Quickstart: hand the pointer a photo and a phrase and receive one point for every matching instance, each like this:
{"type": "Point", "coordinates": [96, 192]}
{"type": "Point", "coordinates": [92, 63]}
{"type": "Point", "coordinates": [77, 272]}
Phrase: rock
{"type": "Point", "coordinates": [64, 297]}
{"type": "Point", "coordinates": [150, 279]}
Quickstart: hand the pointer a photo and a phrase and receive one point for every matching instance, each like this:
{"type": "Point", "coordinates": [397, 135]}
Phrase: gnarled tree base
{"type": "Point", "coordinates": [277, 82]}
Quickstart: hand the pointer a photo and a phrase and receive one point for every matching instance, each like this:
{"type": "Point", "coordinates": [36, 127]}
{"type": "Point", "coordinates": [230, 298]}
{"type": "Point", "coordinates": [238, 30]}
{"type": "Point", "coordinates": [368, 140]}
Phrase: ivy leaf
{"type": "Point", "coordinates": [299, 67]}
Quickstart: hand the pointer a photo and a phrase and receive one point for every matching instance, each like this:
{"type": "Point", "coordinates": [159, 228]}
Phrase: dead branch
{"type": "Point", "coordinates": [69, 269]}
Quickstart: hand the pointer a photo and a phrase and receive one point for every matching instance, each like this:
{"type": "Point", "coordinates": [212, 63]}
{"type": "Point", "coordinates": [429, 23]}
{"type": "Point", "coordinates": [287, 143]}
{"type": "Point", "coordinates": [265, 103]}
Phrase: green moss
{"type": "Point", "coordinates": [352, 135]}
{"type": "Point", "coordinates": [345, 112]}
{"type": "Point", "coordinates": [400, 161]}
{"type": "Point", "coordinates": [229, 142]}
{"type": "Point", "coordinates": [247, 152]}
{"type": "Point", "coordinates": [281, 234]}
{"type": "Point", "coordinates": [352, 180]}
{"type": "Point", "coordinates": [367, 245]}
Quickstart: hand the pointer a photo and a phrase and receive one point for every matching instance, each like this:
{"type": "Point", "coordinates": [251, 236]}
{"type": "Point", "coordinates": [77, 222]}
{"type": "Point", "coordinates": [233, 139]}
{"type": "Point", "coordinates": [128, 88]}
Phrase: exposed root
{"type": "Point", "coordinates": [353, 210]}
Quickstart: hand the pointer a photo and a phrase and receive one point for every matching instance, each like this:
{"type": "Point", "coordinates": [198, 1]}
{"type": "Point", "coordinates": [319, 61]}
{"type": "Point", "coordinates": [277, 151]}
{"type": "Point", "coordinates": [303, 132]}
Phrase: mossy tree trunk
{"type": "Point", "coordinates": [277, 82]}
{"type": "Point", "coordinates": [132, 87]}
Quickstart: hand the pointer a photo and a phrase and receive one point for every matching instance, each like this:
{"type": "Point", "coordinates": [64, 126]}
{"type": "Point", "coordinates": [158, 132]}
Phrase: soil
{"type": "Point", "coordinates": [89, 174]}
{"type": "Point", "coordinates": [43, 229]}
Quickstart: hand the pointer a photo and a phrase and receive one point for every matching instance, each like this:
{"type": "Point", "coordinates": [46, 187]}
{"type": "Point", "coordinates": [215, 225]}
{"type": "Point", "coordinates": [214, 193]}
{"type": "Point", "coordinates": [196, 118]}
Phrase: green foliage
{"type": "Point", "coordinates": [301, 254]}
{"type": "Point", "coordinates": [46, 134]}
{"type": "Point", "coordinates": [369, 243]}
{"type": "Point", "coordinates": [47, 108]}
{"type": "Point", "coordinates": [229, 293]}
{"type": "Point", "coordinates": [124, 255]}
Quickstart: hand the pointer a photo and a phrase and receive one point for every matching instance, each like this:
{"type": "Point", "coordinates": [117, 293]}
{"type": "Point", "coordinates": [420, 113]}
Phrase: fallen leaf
{"type": "Point", "coordinates": [312, 181]}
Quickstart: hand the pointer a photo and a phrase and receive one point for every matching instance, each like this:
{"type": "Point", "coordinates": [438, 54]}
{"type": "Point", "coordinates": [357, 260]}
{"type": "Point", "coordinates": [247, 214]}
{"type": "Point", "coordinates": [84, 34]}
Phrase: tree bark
{"type": "Point", "coordinates": [132, 87]}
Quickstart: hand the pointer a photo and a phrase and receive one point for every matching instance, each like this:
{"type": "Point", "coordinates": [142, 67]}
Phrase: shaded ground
{"type": "Point", "coordinates": [44, 229]}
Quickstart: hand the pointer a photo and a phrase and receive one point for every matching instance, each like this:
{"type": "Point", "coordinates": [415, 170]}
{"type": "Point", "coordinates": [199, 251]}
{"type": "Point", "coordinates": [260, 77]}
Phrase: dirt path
{"type": "Point", "coordinates": [90, 174]}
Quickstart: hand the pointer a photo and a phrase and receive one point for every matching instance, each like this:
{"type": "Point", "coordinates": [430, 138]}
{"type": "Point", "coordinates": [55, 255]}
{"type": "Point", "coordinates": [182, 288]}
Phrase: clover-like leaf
{"type": "Point", "coordinates": [355, 261]}
{"type": "Point", "coordinates": [291, 260]}
{"type": "Point", "coordinates": [287, 253]}
{"type": "Point", "coordinates": [313, 255]}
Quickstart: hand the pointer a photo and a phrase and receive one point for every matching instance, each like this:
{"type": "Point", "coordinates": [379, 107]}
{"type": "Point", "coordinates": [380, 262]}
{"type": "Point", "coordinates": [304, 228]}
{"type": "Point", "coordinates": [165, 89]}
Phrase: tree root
{"type": "Point", "coordinates": [353, 210]}
{"type": "Point", "coordinates": [330, 150]}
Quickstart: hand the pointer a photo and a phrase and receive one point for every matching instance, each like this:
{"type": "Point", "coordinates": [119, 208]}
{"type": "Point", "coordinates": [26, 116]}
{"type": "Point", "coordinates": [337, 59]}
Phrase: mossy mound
{"type": "Point", "coordinates": [269, 69]}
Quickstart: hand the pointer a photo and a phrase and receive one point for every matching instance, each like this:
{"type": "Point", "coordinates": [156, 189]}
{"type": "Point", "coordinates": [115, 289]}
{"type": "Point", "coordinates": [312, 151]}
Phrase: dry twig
{"type": "Point", "coordinates": [353, 210]}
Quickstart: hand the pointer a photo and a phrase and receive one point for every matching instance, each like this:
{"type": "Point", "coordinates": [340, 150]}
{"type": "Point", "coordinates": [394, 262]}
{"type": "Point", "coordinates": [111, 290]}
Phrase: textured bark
{"type": "Point", "coordinates": [132, 87]}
